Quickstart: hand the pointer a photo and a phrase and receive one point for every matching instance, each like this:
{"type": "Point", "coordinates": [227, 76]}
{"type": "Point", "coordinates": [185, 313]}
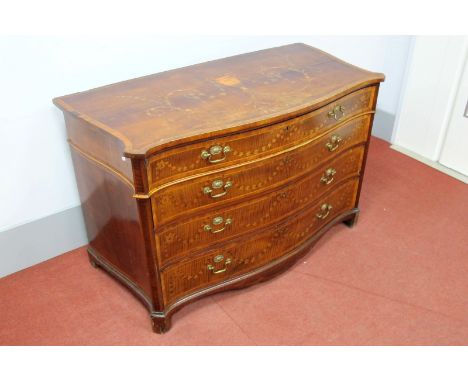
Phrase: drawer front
{"type": "Point", "coordinates": [216, 153]}
{"type": "Point", "coordinates": [237, 258]}
{"type": "Point", "coordinates": [229, 185]}
{"type": "Point", "coordinates": [176, 239]}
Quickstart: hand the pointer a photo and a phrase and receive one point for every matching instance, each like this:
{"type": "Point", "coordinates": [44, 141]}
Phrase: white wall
{"type": "Point", "coordinates": [37, 179]}
{"type": "Point", "coordinates": [434, 69]}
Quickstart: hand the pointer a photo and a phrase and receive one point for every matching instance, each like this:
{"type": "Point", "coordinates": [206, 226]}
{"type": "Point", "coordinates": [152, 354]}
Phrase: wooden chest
{"type": "Point", "coordinates": [219, 175]}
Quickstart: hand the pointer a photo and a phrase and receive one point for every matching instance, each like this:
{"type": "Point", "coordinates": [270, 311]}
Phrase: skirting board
{"type": "Point", "coordinates": [383, 125]}
{"type": "Point", "coordinates": [40, 240]}
{"type": "Point", "coordinates": [435, 165]}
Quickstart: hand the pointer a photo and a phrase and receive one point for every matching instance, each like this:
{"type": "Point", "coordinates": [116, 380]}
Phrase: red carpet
{"type": "Point", "coordinates": [400, 277]}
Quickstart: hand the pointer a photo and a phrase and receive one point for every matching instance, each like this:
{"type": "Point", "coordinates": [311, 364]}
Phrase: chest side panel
{"type": "Point", "coordinates": [112, 221]}
{"type": "Point", "coordinates": [98, 145]}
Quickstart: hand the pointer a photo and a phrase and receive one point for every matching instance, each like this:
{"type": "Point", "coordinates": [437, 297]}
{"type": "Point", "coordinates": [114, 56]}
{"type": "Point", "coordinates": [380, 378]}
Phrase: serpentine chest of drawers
{"type": "Point", "coordinates": [219, 175]}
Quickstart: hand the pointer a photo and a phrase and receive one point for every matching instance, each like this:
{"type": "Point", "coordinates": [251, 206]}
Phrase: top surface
{"type": "Point", "coordinates": [201, 100]}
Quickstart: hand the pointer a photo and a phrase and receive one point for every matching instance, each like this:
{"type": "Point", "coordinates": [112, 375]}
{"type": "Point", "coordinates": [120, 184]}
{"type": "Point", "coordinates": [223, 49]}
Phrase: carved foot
{"type": "Point", "coordinates": [161, 323]}
{"type": "Point", "coordinates": [351, 222]}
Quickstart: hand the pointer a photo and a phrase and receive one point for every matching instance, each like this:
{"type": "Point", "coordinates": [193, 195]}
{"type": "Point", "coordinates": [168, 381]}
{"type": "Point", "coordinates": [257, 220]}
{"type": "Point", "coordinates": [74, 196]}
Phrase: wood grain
{"type": "Point", "coordinates": [187, 197]}
{"type": "Point", "coordinates": [290, 115]}
{"type": "Point", "coordinates": [112, 222]}
{"type": "Point", "coordinates": [209, 99]}
{"type": "Point", "coordinates": [257, 250]}
{"type": "Point", "coordinates": [185, 161]}
{"type": "Point", "coordinates": [179, 238]}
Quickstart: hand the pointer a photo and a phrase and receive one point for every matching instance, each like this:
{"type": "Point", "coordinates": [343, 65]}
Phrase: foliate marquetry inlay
{"type": "Point", "coordinates": [188, 236]}
{"type": "Point", "coordinates": [187, 276]}
{"type": "Point", "coordinates": [257, 177]}
{"type": "Point", "coordinates": [238, 165]}
{"type": "Point", "coordinates": [261, 142]}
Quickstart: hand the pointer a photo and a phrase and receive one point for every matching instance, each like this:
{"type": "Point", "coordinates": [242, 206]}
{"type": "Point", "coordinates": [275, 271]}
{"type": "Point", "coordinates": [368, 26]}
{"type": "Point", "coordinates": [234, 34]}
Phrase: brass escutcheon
{"type": "Point", "coordinates": [218, 259]}
{"type": "Point", "coordinates": [217, 184]}
{"type": "Point", "coordinates": [217, 221]}
{"type": "Point", "coordinates": [337, 112]}
{"type": "Point", "coordinates": [328, 176]}
{"type": "Point", "coordinates": [214, 151]}
{"type": "Point", "coordinates": [325, 211]}
{"type": "Point", "coordinates": [334, 142]}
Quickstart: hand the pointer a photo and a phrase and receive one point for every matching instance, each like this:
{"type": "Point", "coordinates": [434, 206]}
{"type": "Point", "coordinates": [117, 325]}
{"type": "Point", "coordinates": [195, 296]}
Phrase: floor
{"type": "Point", "coordinates": [400, 277]}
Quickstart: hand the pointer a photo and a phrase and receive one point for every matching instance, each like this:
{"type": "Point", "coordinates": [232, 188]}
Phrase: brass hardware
{"type": "Point", "coordinates": [217, 221]}
{"type": "Point", "coordinates": [337, 112]}
{"type": "Point", "coordinates": [334, 142]}
{"type": "Point", "coordinates": [215, 150]}
{"type": "Point", "coordinates": [217, 184]}
{"type": "Point", "coordinates": [325, 211]}
{"type": "Point", "coordinates": [328, 175]}
{"type": "Point", "coordinates": [218, 259]}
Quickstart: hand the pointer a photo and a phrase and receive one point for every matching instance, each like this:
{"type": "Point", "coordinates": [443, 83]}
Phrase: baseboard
{"type": "Point", "coordinates": [435, 165]}
{"type": "Point", "coordinates": [383, 125]}
{"type": "Point", "coordinates": [40, 240]}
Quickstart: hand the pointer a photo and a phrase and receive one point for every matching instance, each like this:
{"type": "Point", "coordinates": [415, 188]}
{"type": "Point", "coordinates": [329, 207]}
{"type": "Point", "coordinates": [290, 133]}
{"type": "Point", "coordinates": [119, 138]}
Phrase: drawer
{"type": "Point", "coordinates": [238, 258]}
{"type": "Point", "coordinates": [175, 240]}
{"type": "Point", "coordinates": [210, 191]}
{"type": "Point", "coordinates": [216, 153]}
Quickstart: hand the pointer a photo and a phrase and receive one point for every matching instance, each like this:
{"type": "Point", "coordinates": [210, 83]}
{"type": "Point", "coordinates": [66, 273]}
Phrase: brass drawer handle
{"type": "Point", "coordinates": [328, 176]}
{"type": "Point", "coordinates": [215, 150]}
{"type": "Point", "coordinates": [217, 184]}
{"type": "Point", "coordinates": [334, 142]}
{"type": "Point", "coordinates": [337, 112]}
{"type": "Point", "coordinates": [217, 221]}
{"type": "Point", "coordinates": [218, 259]}
{"type": "Point", "coordinates": [325, 211]}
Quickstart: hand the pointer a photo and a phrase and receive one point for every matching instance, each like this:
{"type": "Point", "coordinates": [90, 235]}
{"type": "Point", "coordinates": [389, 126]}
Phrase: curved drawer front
{"type": "Point", "coordinates": [181, 237]}
{"type": "Point", "coordinates": [255, 178]}
{"type": "Point", "coordinates": [216, 153]}
{"type": "Point", "coordinates": [237, 258]}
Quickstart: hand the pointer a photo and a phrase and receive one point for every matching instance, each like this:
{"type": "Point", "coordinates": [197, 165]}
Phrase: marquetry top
{"type": "Point", "coordinates": [216, 97]}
